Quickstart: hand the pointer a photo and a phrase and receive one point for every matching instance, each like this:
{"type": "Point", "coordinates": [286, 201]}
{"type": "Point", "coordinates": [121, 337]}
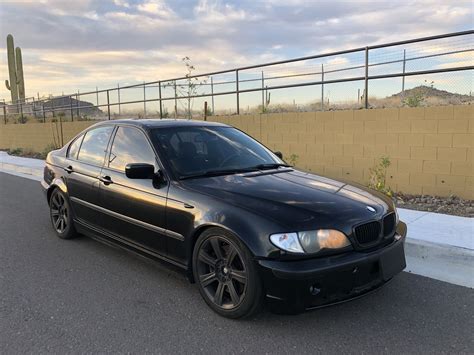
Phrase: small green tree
{"type": "Point", "coordinates": [190, 87]}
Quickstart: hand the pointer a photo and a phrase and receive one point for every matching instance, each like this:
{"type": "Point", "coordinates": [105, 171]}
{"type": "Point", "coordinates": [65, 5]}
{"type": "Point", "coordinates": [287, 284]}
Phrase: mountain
{"type": "Point", "coordinates": [66, 102]}
{"type": "Point", "coordinates": [428, 92]}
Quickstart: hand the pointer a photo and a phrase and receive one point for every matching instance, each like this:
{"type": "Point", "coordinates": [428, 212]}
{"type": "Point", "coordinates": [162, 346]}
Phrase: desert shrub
{"type": "Point", "coordinates": [15, 151]}
{"type": "Point", "coordinates": [292, 159]}
{"type": "Point", "coordinates": [378, 173]}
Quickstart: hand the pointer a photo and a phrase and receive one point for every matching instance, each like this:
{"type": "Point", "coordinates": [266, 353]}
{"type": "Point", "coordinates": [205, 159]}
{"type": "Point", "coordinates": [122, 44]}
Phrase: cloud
{"type": "Point", "coordinates": [121, 3]}
{"type": "Point", "coordinates": [84, 43]}
{"type": "Point", "coordinates": [156, 7]}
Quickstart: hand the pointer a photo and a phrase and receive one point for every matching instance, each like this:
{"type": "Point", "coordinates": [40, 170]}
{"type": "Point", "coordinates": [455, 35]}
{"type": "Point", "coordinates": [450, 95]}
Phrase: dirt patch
{"type": "Point", "coordinates": [452, 205]}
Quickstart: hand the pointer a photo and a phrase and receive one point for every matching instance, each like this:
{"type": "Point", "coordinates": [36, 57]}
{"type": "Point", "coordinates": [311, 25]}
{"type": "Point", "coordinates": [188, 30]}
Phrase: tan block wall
{"type": "Point", "coordinates": [431, 149]}
{"type": "Point", "coordinates": [37, 136]}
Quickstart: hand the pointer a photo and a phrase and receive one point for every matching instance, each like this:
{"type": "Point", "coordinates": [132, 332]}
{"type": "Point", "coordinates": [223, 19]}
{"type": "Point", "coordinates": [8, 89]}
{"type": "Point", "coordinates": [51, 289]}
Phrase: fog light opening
{"type": "Point", "coordinates": [314, 290]}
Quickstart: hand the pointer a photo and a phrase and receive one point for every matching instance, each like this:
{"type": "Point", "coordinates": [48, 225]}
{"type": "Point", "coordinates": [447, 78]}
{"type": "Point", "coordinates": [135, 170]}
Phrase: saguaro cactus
{"type": "Point", "coordinates": [16, 85]}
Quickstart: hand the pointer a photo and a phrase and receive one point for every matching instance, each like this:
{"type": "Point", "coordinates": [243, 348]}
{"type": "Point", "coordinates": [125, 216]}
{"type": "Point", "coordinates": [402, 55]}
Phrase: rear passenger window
{"type": "Point", "coordinates": [130, 146]}
{"type": "Point", "coordinates": [74, 147]}
{"type": "Point", "coordinates": [94, 145]}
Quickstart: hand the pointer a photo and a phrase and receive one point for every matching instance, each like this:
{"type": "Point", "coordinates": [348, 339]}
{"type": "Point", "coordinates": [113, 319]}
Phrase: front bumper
{"type": "Point", "coordinates": [294, 286]}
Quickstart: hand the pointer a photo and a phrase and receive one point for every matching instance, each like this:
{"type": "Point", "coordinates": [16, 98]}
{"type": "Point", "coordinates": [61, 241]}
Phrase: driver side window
{"type": "Point", "coordinates": [130, 146]}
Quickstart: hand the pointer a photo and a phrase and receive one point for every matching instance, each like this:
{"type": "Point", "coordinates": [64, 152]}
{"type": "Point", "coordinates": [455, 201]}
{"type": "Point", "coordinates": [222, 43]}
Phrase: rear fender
{"type": "Point", "coordinates": [56, 183]}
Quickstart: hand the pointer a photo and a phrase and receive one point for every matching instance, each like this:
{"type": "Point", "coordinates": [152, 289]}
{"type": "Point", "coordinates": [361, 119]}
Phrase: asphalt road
{"type": "Point", "coordinates": [78, 296]}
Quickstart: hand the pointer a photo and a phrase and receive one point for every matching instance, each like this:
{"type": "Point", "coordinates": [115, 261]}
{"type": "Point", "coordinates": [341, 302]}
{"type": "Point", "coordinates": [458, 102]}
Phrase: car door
{"type": "Point", "coordinates": [84, 162]}
{"type": "Point", "coordinates": [135, 208]}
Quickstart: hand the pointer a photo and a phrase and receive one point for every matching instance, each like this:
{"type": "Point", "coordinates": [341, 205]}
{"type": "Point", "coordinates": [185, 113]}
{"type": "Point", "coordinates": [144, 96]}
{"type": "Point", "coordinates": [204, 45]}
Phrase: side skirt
{"type": "Point", "coordinates": [111, 239]}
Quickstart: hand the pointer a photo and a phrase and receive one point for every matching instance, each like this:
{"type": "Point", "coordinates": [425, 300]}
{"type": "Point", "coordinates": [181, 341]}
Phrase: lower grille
{"type": "Point", "coordinates": [367, 233]}
{"type": "Point", "coordinates": [389, 224]}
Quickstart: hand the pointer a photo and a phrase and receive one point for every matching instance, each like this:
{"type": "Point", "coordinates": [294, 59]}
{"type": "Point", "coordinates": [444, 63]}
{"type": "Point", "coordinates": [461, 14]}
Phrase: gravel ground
{"type": "Point", "coordinates": [452, 205]}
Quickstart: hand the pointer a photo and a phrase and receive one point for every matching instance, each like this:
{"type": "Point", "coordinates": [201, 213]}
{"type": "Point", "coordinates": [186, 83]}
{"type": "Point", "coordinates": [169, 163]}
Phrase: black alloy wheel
{"type": "Point", "coordinates": [61, 215]}
{"type": "Point", "coordinates": [226, 275]}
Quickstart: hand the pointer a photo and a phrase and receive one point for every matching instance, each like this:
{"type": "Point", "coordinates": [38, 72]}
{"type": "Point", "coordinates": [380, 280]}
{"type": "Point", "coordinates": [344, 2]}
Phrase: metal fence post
{"type": "Point", "coordinates": [78, 110]}
{"type": "Point", "coordinates": [205, 110]}
{"type": "Point", "coordinates": [97, 96]}
{"type": "Point", "coordinates": [322, 87]}
{"type": "Point", "coordinates": [118, 97]}
{"type": "Point", "coordinates": [212, 95]}
{"type": "Point", "coordinates": [237, 91]}
{"type": "Point", "coordinates": [144, 100]}
{"type": "Point", "coordinates": [366, 91]}
{"type": "Point", "coordinates": [108, 104]}
{"type": "Point", "coordinates": [263, 92]}
{"type": "Point", "coordinates": [175, 100]}
{"type": "Point", "coordinates": [403, 77]}
{"type": "Point", "coordinates": [70, 108]}
{"type": "Point", "coordinates": [161, 105]}
{"type": "Point", "coordinates": [61, 126]}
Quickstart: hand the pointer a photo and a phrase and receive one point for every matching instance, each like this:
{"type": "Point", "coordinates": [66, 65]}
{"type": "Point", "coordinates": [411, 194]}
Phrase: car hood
{"type": "Point", "coordinates": [296, 199]}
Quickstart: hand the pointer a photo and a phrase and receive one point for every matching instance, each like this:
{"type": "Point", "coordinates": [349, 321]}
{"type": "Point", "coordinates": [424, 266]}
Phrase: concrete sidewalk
{"type": "Point", "coordinates": [438, 246]}
{"type": "Point", "coordinates": [24, 167]}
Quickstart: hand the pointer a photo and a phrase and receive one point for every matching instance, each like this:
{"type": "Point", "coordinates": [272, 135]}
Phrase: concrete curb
{"type": "Point", "coordinates": [440, 261]}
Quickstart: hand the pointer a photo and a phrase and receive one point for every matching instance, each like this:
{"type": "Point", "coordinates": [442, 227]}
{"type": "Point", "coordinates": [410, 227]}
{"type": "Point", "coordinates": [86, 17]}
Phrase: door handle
{"type": "Point", "coordinates": [106, 180]}
{"type": "Point", "coordinates": [69, 169]}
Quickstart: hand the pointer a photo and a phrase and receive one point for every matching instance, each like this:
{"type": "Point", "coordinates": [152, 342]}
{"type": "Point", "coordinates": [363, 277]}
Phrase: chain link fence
{"type": "Point", "coordinates": [434, 70]}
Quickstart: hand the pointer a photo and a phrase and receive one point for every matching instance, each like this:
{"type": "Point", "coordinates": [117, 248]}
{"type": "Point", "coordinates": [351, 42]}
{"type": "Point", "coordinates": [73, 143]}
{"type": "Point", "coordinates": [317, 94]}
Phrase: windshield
{"type": "Point", "coordinates": [193, 151]}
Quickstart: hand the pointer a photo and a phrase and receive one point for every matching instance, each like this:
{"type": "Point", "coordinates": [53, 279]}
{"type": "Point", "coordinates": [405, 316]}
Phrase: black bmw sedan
{"type": "Point", "coordinates": [239, 221]}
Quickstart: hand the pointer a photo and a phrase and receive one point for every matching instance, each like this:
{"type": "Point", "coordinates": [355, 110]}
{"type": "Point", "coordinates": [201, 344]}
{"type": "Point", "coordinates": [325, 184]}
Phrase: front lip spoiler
{"type": "Point", "coordinates": [353, 298]}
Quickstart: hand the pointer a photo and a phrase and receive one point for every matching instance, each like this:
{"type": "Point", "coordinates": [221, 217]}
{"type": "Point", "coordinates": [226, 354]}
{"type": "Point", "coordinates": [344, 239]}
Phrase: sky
{"type": "Point", "coordinates": [77, 45]}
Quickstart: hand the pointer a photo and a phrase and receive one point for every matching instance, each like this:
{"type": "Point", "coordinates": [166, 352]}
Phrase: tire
{"type": "Point", "coordinates": [61, 216]}
{"type": "Point", "coordinates": [226, 274]}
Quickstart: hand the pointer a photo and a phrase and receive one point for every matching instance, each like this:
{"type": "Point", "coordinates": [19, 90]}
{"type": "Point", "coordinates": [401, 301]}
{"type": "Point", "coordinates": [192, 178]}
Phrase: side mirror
{"type": "Point", "coordinates": [278, 154]}
{"type": "Point", "coordinates": [139, 171]}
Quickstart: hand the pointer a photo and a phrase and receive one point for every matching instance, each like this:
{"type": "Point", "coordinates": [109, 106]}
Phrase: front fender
{"type": "Point", "coordinates": [251, 229]}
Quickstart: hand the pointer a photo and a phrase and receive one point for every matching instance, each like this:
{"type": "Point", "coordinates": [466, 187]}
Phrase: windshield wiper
{"type": "Point", "coordinates": [218, 173]}
{"type": "Point", "coordinates": [210, 173]}
{"type": "Point", "coordinates": [270, 166]}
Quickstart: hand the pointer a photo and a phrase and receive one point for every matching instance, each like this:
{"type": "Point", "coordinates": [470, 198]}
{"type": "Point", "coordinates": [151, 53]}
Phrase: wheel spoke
{"type": "Point", "coordinates": [54, 202]}
{"type": "Point", "coordinates": [206, 258]}
{"type": "Point", "coordinates": [239, 276]}
{"type": "Point", "coordinates": [219, 294]}
{"type": "Point", "coordinates": [217, 248]}
{"type": "Point", "coordinates": [54, 212]}
{"type": "Point", "coordinates": [233, 293]}
{"type": "Point", "coordinates": [207, 279]}
{"type": "Point", "coordinates": [230, 255]}
{"type": "Point", "coordinates": [57, 222]}
{"type": "Point", "coordinates": [63, 224]}
{"type": "Point", "coordinates": [57, 201]}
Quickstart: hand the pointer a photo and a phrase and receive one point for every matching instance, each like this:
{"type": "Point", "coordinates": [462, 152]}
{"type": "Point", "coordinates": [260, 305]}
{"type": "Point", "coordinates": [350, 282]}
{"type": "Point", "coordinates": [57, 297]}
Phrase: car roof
{"type": "Point", "coordinates": [157, 123]}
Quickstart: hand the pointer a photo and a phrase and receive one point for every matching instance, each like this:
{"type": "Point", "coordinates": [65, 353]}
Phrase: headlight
{"type": "Point", "coordinates": [287, 241]}
{"type": "Point", "coordinates": [310, 241]}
